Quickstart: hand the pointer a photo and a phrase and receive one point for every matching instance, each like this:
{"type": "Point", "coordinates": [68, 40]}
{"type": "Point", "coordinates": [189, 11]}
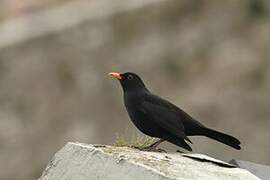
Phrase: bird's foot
{"type": "Point", "coordinates": [151, 149]}
{"type": "Point", "coordinates": [161, 150]}
{"type": "Point", "coordinates": [180, 151]}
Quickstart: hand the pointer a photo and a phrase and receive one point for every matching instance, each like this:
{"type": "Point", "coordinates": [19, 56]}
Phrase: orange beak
{"type": "Point", "coordinates": [116, 75]}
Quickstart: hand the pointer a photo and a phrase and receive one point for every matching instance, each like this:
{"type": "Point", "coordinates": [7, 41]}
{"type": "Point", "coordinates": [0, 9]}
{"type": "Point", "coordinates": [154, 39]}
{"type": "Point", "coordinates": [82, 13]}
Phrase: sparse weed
{"type": "Point", "coordinates": [136, 141]}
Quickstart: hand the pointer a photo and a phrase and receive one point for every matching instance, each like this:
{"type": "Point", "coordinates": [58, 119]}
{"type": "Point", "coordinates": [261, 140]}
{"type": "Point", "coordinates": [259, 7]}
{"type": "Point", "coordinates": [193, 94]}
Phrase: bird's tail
{"type": "Point", "coordinates": [221, 137]}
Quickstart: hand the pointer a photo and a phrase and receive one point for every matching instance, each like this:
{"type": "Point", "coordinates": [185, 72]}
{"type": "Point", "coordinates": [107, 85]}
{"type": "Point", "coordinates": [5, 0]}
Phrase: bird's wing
{"type": "Point", "coordinates": [164, 114]}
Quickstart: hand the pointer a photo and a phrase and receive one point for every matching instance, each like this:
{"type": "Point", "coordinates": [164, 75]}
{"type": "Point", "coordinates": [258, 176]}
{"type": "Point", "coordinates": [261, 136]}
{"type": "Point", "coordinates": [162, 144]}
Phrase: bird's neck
{"type": "Point", "coordinates": [136, 90]}
{"type": "Point", "coordinates": [132, 98]}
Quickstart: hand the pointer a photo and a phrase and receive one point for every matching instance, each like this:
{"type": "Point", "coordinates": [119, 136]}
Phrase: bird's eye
{"type": "Point", "coordinates": [130, 77]}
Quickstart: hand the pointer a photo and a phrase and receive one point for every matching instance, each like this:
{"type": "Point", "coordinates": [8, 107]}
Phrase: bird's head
{"type": "Point", "coordinates": [129, 81]}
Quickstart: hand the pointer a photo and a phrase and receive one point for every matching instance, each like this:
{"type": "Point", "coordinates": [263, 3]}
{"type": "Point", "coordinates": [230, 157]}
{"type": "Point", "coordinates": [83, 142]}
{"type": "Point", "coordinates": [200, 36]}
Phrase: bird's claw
{"type": "Point", "coordinates": [161, 150]}
{"type": "Point", "coordinates": [151, 149]}
{"type": "Point", "coordinates": [180, 151]}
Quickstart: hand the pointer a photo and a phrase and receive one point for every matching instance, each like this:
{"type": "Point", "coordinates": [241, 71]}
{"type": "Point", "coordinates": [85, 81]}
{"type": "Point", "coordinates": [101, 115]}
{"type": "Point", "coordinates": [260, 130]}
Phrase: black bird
{"type": "Point", "coordinates": [157, 117]}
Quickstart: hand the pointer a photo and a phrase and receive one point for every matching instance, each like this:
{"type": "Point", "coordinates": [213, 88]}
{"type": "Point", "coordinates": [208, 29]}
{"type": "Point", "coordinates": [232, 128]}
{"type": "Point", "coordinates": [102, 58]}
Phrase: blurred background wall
{"type": "Point", "coordinates": [209, 57]}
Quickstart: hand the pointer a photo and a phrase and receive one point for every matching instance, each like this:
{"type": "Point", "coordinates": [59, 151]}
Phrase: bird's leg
{"type": "Point", "coordinates": [153, 146]}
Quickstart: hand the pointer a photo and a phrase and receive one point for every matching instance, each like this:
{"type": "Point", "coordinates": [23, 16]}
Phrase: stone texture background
{"type": "Point", "coordinates": [85, 161]}
{"type": "Point", "coordinates": [209, 57]}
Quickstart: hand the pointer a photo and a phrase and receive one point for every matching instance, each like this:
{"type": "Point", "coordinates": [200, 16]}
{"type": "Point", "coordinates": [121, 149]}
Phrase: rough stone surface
{"type": "Point", "coordinates": [261, 171]}
{"type": "Point", "coordinates": [78, 161]}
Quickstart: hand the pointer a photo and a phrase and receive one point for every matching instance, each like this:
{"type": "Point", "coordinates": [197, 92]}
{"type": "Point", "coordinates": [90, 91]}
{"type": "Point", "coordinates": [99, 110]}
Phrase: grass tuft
{"type": "Point", "coordinates": [136, 141]}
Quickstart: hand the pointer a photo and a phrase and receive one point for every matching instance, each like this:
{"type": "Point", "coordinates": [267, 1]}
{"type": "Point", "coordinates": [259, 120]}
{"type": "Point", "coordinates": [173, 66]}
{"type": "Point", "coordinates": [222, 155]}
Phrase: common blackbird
{"type": "Point", "coordinates": [157, 117]}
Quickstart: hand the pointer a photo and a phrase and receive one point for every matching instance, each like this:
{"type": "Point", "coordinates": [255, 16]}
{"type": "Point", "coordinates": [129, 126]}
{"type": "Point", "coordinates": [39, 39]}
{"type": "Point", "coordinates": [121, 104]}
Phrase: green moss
{"type": "Point", "coordinates": [136, 141]}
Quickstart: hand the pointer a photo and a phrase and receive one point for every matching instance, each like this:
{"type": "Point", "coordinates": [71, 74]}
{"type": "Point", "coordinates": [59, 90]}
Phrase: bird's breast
{"type": "Point", "coordinates": [138, 117]}
{"type": "Point", "coordinates": [132, 99]}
